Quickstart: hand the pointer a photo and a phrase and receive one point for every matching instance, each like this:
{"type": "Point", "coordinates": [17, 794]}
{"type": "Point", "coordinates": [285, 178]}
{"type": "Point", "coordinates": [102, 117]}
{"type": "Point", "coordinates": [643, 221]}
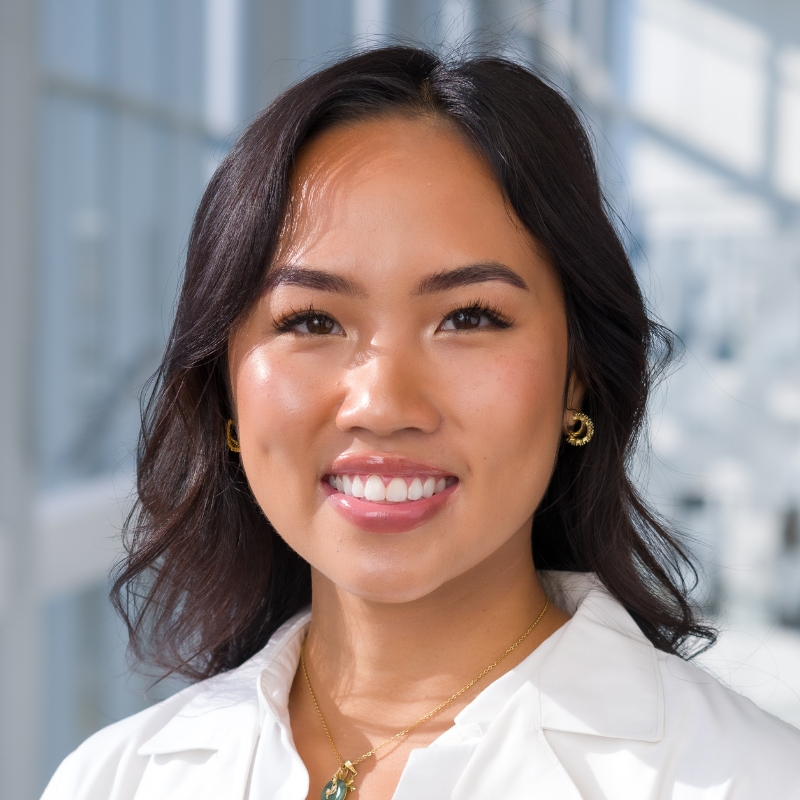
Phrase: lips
{"type": "Point", "coordinates": [386, 494]}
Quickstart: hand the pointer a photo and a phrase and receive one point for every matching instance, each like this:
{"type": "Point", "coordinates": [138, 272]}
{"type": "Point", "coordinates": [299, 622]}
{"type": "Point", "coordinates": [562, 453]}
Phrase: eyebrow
{"type": "Point", "coordinates": [292, 275]}
{"type": "Point", "coordinates": [469, 274]}
{"type": "Point", "coordinates": [442, 281]}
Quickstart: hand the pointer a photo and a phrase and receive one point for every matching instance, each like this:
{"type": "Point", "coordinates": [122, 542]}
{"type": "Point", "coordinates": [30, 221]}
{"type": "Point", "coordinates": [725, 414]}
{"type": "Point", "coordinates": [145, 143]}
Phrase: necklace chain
{"type": "Point", "coordinates": [430, 714]}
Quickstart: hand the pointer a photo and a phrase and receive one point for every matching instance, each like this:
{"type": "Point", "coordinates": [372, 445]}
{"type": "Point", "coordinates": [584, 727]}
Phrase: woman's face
{"type": "Point", "coordinates": [399, 389]}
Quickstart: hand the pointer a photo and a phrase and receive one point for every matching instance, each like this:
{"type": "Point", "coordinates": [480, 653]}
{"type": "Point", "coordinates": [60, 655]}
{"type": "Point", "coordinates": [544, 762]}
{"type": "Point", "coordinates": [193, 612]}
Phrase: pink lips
{"type": "Point", "coordinates": [377, 517]}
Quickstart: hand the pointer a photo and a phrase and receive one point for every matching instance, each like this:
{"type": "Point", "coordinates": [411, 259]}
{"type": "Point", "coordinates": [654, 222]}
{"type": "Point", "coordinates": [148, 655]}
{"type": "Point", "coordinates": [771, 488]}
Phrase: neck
{"type": "Point", "coordinates": [364, 652]}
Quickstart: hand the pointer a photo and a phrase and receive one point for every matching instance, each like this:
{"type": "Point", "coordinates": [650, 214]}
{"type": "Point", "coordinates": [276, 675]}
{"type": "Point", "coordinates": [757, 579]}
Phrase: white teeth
{"type": "Point", "coordinates": [397, 491]}
{"type": "Point", "coordinates": [374, 489]}
{"type": "Point", "coordinates": [415, 490]}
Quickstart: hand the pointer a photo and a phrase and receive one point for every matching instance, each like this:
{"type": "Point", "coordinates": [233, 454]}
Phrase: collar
{"type": "Point", "coordinates": [603, 677]}
{"type": "Point", "coordinates": [597, 675]}
{"type": "Point", "coordinates": [207, 715]}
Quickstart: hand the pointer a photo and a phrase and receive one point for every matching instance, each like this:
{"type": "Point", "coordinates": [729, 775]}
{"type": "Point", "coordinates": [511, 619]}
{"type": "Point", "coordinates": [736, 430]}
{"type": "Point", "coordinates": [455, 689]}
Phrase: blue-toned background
{"type": "Point", "coordinates": [113, 115]}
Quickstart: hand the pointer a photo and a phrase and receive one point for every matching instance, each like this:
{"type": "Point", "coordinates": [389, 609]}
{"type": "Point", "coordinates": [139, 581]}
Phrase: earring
{"type": "Point", "coordinates": [583, 435]}
{"type": "Point", "coordinates": [233, 442]}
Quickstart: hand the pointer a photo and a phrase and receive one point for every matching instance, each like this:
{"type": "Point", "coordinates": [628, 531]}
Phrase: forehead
{"type": "Point", "coordinates": [355, 150]}
{"type": "Point", "coordinates": [398, 185]}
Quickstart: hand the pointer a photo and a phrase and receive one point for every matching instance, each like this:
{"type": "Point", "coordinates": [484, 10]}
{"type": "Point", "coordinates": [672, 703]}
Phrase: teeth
{"type": "Point", "coordinates": [415, 490]}
{"type": "Point", "coordinates": [373, 489]}
{"type": "Point", "coordinates": [396, 490]}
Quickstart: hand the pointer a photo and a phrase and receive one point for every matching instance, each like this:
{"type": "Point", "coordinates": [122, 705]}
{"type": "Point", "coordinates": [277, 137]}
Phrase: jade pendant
{"type": "Point", "coordinates": [337, 787]}
{"type": "Point", "coordinates": [334, 789]}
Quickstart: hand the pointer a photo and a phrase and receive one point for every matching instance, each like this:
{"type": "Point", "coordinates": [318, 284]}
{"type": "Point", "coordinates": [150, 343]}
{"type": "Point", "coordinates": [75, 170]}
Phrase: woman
{"type": "Point", "coordinates": [409, 365]}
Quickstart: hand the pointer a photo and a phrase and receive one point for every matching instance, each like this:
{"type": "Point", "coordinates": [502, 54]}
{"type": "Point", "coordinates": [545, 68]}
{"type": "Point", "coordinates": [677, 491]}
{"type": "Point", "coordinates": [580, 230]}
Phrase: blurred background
{"type": "Point", "coordinates": [114, 114]}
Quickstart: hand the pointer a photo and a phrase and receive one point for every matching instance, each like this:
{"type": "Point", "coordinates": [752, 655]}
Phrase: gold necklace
{"type": "Point", "coordinates": [344, 777]}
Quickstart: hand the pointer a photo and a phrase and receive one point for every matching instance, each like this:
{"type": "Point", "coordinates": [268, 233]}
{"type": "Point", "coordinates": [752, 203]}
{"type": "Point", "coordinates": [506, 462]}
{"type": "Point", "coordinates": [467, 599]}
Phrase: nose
{"type": "Point", "coordinates": [388, 393]}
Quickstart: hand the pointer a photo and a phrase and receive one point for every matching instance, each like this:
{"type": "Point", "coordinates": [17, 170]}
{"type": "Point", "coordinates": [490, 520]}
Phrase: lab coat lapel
{"type": "Point", "coordinates": [496, 769]}
{"type": "Point", "coordinates": [205, 751]}
{"type": "Point", "coordinates": [603, 678]}
{"type": "Point", "coordinates": [210, 763]}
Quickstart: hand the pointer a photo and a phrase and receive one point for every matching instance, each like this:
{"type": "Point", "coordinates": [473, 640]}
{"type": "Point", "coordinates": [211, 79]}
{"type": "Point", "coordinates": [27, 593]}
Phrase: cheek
{"type": "Point", "coordinates": [510, 409]}
{"type": "Point", "coordinates": [282, 408]}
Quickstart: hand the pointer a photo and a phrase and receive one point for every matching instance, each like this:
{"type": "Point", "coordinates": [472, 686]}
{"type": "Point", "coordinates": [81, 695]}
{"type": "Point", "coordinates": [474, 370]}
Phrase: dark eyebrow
{"type": "Point", "coordinates": [469, 274]}
{"type": "Point", "coordinates": [292, 275]}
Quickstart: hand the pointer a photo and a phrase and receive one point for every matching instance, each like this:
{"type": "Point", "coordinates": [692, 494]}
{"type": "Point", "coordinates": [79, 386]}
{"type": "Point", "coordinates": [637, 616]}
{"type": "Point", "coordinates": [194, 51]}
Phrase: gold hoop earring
{"type": "Point", "coordinates": [233, 442]}
{"type": "Point", "coordinates": [583, 435]}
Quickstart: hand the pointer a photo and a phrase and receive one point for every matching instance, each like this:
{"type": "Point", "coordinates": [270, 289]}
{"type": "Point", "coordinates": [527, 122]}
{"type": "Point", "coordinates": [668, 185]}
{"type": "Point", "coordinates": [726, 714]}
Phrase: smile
{"type": "Point", "coordinates": [396, 489]}
{"type": "Point", "coordinates": [387, 493]}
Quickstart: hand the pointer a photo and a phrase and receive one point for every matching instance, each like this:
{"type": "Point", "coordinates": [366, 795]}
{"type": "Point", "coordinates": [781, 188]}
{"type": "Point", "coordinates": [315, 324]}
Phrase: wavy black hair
{"type": "Point", "coordinates": [206, 579]}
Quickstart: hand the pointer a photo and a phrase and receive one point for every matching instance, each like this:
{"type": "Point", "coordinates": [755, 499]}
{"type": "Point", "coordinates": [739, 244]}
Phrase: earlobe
{"type": "Point", "coordinates": [572, 416]}
{"type": "Point", "coordinates": [574, 398]}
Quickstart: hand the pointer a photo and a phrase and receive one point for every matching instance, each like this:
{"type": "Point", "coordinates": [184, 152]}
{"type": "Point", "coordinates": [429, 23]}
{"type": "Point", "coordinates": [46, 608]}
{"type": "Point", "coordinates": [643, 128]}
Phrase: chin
{"type": "Point", "coordinates": [390, 584]}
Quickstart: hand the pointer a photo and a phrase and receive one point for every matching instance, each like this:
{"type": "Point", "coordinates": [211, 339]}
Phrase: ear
{"type": "Point", "coordinates": [574, 399]}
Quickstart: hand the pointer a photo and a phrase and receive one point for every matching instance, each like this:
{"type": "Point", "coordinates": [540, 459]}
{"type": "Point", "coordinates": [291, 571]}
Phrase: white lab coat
{"type": "Point", "coordinates": [594, 712]}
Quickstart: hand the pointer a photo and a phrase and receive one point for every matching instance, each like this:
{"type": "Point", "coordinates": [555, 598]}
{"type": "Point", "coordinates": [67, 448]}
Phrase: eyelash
{"type": "Point", "coordinates": [495, 316]}
{"type": "Point", "coordinates": [285, 324]}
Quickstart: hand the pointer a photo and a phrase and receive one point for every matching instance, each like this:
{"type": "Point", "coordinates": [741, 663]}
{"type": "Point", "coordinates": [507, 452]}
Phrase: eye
{"type": "Point", "coordinates": [310, 323]}
{"type": "Point", "coordinates": [318, 324]}
{"type": "Point", "coordinates": [473, 317]}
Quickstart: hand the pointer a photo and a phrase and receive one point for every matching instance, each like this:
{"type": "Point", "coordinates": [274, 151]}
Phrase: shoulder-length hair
{"type": "Point", "coordinates": [207, 579]}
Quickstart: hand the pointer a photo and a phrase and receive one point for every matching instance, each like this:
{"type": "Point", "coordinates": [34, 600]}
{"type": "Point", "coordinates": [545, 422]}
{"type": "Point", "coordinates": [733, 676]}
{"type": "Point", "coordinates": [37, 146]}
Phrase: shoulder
{"type": "Point", "coordinates": [110, 756]}
{"type": "Point", "coordinates": [90, 771]}
{"type": "Point", "coordinates": [653, 719]}
{"type": "Point", "coordinates": [201, 738]}
{"type": "Point", "coordinates": [190, 726]}
{"type": "Point", "coordinates": [716, 742]}
{"type": "Point", "coordinates": [703, 715]}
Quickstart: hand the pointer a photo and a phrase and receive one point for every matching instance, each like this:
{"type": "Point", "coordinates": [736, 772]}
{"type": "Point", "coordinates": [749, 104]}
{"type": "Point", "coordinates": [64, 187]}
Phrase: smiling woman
{"type": "Point", "coordinates": [361, 519]}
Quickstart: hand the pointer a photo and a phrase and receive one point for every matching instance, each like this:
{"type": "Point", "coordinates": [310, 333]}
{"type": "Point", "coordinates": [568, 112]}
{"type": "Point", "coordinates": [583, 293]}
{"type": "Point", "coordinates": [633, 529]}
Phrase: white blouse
{"type": "Point", "coordinates": [594, 712]}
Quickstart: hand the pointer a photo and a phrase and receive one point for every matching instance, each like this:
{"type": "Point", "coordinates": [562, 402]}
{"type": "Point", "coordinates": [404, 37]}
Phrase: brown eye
{"type": "Point", "coordinates": [311, 323]}
{"type": "Point", "coordinates": [466, 319]}
{"type": "Point", "coordinates": [470, 318]}
{"type": "Point", "coordinates": [319, 325]}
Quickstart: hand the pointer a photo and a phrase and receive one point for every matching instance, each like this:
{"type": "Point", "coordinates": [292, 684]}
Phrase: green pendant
{"type": "Point", "coordinates": [334, 789]}
{"type": "Point", "coordinates": [342, 782]}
